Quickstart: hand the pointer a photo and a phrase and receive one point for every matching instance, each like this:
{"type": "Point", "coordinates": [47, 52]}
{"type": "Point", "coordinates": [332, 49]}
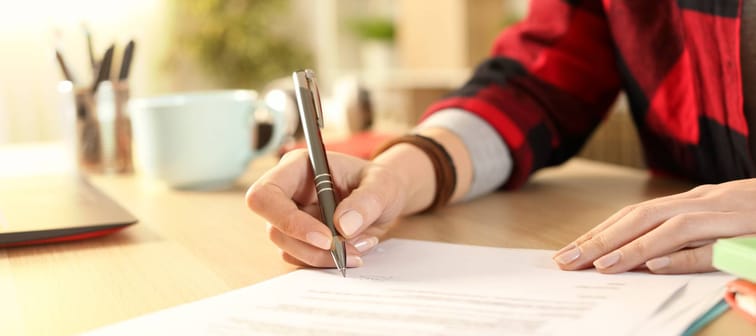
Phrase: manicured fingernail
{"type": "Point", "coordinates": [366, 244]}
{"type": "Point", "coordinates": [608, 260]}
{"type": "Point", "coordinates": [354, 261]}
{"type": "Point", "coordinates": [569, 246]}
{"type": "Point", "coordinates": [657, 263]}
{"type": "Point", "coordinates": [350, 222]}
{"type": "Point", "coordinates": [568, 256]}
{"type": "Point", "coordinates": [318, 239]}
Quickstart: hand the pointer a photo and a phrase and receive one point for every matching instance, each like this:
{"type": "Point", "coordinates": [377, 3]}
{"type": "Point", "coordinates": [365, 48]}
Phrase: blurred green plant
{"type": "Point", "coordinates": [510, 19]}
{"type": "Point", "coordinates": [238, 42]}
{"type": "Point", "coordinates": [373, 28]}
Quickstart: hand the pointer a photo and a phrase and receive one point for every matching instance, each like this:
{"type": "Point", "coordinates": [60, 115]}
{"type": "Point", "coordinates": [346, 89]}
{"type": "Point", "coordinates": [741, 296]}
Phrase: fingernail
{"type": "Point", "coordinates": [569, 246]}
{"type": "Point", "coordinates": [350, 222]}
{"type": "Point", "coordinates": [568, 256]}
{"type": "Point", "coordinates": [608, 260]}
{"type": "Point", "coordinates": [318, 239]}
{"type": "Point", "coordinates": [657, 263]}
{"type": "Point", "coordinates": [354, 261]}
{"type": "Point", "coordinates": [366, 244]}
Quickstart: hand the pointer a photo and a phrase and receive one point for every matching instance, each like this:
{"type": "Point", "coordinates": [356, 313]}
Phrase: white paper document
{"type": "Point", "coordinates": [702, 292]}
{"type": "Point", "coordinates": [425, 288]}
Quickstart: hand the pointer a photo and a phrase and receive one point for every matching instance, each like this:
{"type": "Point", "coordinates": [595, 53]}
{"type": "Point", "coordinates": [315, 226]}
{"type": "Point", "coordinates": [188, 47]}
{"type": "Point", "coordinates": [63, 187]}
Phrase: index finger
{"type": "Point", "coordinates": [633, 224]}
{"type": "Point", "coordinates": [275, 195]}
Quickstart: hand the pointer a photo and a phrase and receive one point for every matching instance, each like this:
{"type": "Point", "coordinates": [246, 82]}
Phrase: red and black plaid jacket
{"type": "Point", "coordinates": [553, 77]}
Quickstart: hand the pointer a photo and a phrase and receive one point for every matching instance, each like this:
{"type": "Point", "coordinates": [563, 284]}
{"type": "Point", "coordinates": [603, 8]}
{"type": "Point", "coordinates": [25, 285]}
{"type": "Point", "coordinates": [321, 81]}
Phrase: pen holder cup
{"type": "Point", "coordinates": [101, 128]}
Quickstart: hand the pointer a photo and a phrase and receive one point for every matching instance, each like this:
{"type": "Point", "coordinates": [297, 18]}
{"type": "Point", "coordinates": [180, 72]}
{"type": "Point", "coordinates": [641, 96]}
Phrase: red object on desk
{"type": "Point", "coordinates": [361, 145]}
{"type": "Point", "coordinates": [747, 290]}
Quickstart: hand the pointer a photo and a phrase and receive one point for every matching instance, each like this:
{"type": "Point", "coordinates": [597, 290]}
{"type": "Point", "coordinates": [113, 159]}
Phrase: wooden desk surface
{"type": "Point", "coordinates": [191, 245]}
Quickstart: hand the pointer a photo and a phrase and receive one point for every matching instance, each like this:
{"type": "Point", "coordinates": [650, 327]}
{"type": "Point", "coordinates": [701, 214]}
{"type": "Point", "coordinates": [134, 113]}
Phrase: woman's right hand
{"type": "Point", "coordinates": [373, 196]}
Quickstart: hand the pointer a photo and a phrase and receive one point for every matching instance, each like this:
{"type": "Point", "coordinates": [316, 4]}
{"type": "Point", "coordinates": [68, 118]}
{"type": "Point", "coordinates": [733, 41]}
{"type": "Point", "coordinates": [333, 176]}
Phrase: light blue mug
{"type": "Point", "coordinates": [200, 140]}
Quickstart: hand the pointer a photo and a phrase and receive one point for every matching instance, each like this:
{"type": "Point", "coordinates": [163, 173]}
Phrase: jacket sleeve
{"type": "Point", "coordinates": [548, 83]}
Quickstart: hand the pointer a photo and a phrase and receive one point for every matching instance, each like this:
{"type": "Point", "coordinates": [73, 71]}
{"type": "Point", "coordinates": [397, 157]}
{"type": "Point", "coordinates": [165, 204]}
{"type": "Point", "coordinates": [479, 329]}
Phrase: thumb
{"type": "Point", "coordinates": [376, 199]}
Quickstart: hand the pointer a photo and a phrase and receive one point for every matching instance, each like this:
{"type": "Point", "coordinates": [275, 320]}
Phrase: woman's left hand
{"type": "Point", "coordinates": [667, 235]}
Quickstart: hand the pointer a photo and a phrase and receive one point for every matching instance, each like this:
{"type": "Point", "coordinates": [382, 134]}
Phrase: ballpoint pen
{"type": "Point", "coordinates": [311, 115]}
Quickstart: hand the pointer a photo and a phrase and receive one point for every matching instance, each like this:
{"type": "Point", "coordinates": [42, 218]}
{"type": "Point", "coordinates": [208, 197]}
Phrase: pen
{"type": "Point", "coordinates": [128, 53]}
{"type": "Point", "coordinates": [311, 115]}
{"type": "Point", "coordinates": [64, 66]}
{"type": "Point", "coordinates": [103, 73]}
{"type": "Point", "coordinates": [90, 48]}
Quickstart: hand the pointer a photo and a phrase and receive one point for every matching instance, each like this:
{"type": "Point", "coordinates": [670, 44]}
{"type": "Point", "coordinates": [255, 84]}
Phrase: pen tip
{"type": "Point", "coordinates": [338, 252]}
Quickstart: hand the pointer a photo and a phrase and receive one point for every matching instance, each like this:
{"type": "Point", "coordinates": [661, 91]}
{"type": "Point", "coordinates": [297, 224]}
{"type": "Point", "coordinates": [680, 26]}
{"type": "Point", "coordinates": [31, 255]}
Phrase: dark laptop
{"type": "Point", "coordinates": [55, 208]}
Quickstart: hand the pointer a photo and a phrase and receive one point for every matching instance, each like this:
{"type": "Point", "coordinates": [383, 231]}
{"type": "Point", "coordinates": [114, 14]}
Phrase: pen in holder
{"type": "Point", "coordinates": [102, 136]}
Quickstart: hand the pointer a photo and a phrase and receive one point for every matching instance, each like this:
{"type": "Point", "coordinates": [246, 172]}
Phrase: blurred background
{"type": "Point", "coordinates": [404, 53]}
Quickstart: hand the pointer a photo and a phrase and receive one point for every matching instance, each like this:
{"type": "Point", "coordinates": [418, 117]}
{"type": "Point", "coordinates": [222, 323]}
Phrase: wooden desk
{"type": "Point", "coordinates": [191, 245]}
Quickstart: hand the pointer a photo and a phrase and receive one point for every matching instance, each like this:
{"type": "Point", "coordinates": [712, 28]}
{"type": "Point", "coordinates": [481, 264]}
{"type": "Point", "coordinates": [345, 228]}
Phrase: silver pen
{"type": "Point", "coordinates": [311, 115]}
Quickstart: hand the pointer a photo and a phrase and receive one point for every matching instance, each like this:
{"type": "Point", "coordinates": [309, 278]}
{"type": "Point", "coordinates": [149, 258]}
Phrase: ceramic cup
{"type": "Point", "coordinates": [200, 140]}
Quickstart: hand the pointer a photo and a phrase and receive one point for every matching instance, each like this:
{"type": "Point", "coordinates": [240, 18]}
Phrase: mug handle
{"type": "Point", "coordinates": [278, 134]}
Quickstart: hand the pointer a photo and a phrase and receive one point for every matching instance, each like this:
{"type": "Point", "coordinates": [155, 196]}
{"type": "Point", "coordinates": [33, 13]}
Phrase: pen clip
{"type": "Point", "coordinates": [312, 84]}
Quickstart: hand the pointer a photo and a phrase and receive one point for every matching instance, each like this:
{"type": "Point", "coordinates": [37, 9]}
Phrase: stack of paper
{"type": "Point", "coordinates": [424, 288]}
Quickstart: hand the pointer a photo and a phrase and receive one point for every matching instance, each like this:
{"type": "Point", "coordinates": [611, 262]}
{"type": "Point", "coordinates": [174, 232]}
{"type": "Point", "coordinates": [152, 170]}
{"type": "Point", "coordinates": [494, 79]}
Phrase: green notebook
{"type": "Point", "coordinates": [736, 256]}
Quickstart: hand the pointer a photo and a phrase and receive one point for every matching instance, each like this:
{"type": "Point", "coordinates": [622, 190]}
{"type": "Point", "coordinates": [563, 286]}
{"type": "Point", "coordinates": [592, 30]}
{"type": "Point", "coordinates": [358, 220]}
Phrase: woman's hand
{"type": "Point", "coordinates": [373, 197]}
{"type": "Point", "coordinates": [672, 234]}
